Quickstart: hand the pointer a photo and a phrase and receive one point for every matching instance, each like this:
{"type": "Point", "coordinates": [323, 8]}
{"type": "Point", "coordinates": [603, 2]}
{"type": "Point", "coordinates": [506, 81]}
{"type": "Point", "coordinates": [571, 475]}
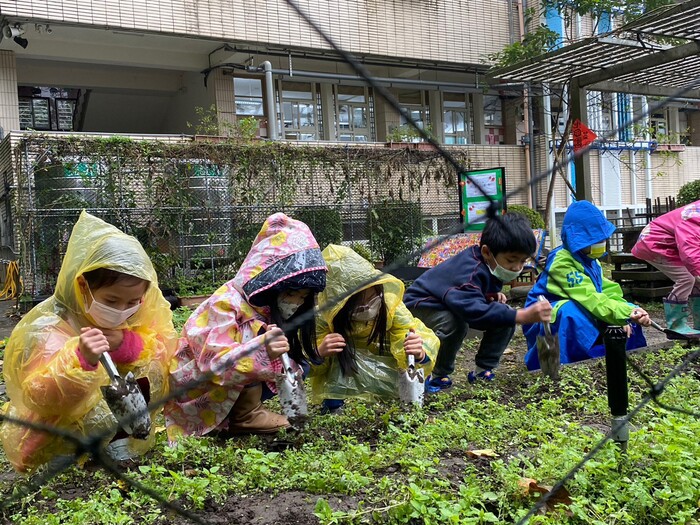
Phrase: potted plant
{"type": "Point", "coordinates": [407, 137]}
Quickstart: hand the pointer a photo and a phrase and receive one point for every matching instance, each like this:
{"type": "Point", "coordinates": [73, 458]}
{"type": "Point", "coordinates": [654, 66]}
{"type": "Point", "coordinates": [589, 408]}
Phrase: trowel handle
{"type": "Point", "coordinates": [656, 325]}
{"type": "Point", "coordinates": [107, 362]}
{"type": "Point", "coordinates": [411, 361]}
{"type": "Point", "coordinates": [287, 364]}
{"type": "Point", "coordinates": [545, 324]}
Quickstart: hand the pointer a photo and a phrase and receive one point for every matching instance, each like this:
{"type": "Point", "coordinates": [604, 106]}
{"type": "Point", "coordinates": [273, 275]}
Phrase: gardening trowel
{"type": "Point", "coordinates": [290, 387]}
{"type": "Point", "coordinates": [126, 401]}
{"type": "Point", "coordinates": [672, 334]}
{"type": "Point", "coordinates": [412, 383]}
{"type": "Point", "coordinates": [548, 350]}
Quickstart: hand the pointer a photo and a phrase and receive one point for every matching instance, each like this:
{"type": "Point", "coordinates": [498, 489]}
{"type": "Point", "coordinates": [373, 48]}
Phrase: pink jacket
{"type": "Point", "coordinates": [221, 337]}
{"type": "Point", "coordinates": [673, 238]}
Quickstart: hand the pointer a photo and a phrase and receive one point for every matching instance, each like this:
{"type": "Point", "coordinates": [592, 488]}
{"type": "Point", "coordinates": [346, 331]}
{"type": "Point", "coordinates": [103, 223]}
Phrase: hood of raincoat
{"type": "Point", "coordinates": [350, 273]}
{"type": "Point", "coordinates": [96, 244]}
{"type": "Point", "coordinates": [284, 254]}
{"type": "Point", "coordinates": [584, 225]}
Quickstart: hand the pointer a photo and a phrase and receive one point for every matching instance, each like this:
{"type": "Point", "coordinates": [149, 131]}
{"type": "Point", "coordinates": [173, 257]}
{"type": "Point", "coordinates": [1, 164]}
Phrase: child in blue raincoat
{"type": "Point", "coordinates": [583, 300]}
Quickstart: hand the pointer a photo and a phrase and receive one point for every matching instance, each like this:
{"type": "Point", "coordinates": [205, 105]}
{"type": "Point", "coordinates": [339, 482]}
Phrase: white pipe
{"type": "Point", "coordinates": [270, 101]}
{"type": "Point", "coordinates": [647, 137]}
{"type": "Point", "coordinates": [549, 138]}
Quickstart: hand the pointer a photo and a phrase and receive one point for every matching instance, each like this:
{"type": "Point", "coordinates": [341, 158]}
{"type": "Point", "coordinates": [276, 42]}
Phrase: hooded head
{"type": "Point", "coordinates": [284, 256]}
{"type": "Point", "coordinates": [95, 244]}
{"type": "Point", "coordinates": [584, 225]}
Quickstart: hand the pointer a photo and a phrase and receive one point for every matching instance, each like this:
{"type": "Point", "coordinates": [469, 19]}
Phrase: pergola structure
{"type": "Point", "coordinates": [629, 59]}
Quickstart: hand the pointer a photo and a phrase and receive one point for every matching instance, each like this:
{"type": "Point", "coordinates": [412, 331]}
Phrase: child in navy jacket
{"type": "Point", "coordinates": [465, 291]}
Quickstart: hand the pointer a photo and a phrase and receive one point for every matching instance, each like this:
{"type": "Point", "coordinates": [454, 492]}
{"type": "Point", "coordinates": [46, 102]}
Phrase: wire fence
{"type": "Point", "coordinates": [56, 222]}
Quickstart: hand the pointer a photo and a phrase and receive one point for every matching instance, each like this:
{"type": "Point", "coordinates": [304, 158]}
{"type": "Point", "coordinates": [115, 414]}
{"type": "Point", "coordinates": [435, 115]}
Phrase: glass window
{"type": "Point", "coordinates": [457, 119]}
{"type": "Point", "coordinates": [249, 96]}
{"type": "Point", "coordinates": [299, 111]}
{"type": "Point", "coordinates": [352, 114]}
{"type": "Point", "coordinates": [493, 113]}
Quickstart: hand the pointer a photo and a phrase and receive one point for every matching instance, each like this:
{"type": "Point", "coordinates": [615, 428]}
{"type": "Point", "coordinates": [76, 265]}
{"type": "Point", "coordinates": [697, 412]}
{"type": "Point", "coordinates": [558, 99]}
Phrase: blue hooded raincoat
{"type": "Point", "coordinates": [583, 301]}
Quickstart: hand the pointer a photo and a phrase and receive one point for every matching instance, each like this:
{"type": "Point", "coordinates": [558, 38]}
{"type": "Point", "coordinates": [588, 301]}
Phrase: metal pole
{"type": "Point", "coordinates": [270, 101]}
{"type": "Point", "coordinates": [615, 340]}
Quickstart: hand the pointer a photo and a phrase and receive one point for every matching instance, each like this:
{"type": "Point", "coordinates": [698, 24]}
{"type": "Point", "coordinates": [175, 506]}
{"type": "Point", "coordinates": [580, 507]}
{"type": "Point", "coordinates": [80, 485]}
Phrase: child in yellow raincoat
{"type": "Point", "coordinates": [364, 338]}
{"type": "Point", "coordinates": [106, 299]}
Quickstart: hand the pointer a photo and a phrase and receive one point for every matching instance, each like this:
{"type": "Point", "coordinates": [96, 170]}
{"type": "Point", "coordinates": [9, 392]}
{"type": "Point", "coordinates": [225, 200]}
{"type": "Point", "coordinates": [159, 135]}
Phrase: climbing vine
{"type": "Point", "coordinates": [197, 205]}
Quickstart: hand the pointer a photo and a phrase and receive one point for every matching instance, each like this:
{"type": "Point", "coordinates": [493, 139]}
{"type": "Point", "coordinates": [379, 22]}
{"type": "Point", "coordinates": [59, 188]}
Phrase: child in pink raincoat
{"type": "Point", "coordinates": [231, 344]}
{"type": "Point", "coordinates": [671, 243]}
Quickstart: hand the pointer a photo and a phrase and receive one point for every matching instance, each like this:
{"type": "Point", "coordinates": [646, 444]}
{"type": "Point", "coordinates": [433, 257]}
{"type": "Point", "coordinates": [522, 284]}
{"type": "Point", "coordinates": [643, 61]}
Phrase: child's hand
{"type": "Point", "coordinates": [114, 337]}
{"type": "Point", "coordinates": [92, 344]}
{"type": "Point", "coordinates": [535, 313]}
{"type": "Point", "coordinates": [413, 345]}
{"type": "Point", "coordinates": [628, 330]}
{"type": "Point", "coordinates": [331, 344]}
{"type": "Point", "coordinates": [500, 297]}
{"type": "Point", "coordinates": [640, 316]}
{"type": "Point", "coordinates": [276, 342]}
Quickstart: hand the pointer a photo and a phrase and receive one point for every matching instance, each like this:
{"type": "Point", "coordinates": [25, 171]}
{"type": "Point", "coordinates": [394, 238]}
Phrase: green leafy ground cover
{"type": "Point", "coordinates": [467, 457]}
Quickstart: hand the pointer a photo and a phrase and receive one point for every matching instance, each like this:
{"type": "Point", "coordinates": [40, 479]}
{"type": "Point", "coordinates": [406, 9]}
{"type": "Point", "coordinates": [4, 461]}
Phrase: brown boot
{"type": "Point", "coordinates": [249, 417]}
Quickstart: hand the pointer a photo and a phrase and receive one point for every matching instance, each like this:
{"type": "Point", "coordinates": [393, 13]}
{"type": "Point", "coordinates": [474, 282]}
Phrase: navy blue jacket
{"type": "Point", "coordinates": [464, 285]}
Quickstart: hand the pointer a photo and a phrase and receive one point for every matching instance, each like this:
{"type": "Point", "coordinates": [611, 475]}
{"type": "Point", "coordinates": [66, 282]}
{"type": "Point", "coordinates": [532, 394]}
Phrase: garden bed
{"type": "Point", "coordinates": [466, 457]}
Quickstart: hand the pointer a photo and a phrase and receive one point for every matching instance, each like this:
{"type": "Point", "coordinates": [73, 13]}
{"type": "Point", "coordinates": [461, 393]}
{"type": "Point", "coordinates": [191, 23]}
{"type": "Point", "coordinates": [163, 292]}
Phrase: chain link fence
{"type": "Point", "coordinates": [196, 207]}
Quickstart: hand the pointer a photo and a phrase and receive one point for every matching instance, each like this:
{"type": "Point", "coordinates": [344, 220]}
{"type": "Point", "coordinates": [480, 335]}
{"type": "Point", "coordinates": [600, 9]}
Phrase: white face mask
{"type": "Point", "coordinates": [502, 274]}
{"type": "Point", "coordinates": [106, 316]}
{"type": "Point", "coordinates": [367, 312]}
{"type": "Point", "coordinates": [287, 308]}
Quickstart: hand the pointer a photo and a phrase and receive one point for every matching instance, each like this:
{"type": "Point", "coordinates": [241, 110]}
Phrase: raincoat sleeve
{"type": "Point", "coordinates": [403, 323]}
{"type": "Point", "coordinates": [688, 239]}
{"type": "Point", "coordinates": [224, 353]}
{"type": "Point", "coordinates": [568, 280]}
{"type": "Point", "coordinates": [50, 375]}
{"type": "Point", "coordinates": [322, 330]}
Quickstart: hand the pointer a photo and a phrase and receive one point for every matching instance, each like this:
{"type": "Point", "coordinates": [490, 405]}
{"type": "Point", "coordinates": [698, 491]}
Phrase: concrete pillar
{"type": "Point", "coordinates": [386, 118]}
{"type": "Point", "coordinates": [328, 112]}
{"type": "Point", "coordinates": [9, 102]}
{"type": "Point", "coordinates": [435, 108]}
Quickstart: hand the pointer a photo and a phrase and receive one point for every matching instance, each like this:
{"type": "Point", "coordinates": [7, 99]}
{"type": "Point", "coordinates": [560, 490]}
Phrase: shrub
{"type": "Point", "coordinates": [325, 223]}
{"type": "Point", "coordinates": [533, 216]}
{"type": "Point", "coordinates": [395, 229]}
{"type": "Point", "coordinates": [688, 193]}
{"type": "Point", "coordinates": [363, 251]}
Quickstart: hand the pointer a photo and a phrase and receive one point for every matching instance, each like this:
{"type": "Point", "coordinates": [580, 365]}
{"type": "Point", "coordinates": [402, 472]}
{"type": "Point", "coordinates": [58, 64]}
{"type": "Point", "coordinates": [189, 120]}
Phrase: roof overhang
{"type": "Point", "coordinates": [628, 59]}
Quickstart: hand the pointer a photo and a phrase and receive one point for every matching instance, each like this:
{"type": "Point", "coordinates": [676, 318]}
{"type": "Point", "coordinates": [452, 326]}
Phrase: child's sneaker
{"type": "Point", "coordinates": [486, 375]}
{"type": "Point", "coordinates": [437, 384]}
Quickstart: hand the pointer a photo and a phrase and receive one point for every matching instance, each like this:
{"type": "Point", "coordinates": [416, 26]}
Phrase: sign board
{"type": "Point", "coordinates": [583, 136]}
{"type": "Point", "coordinates": [473, 202]}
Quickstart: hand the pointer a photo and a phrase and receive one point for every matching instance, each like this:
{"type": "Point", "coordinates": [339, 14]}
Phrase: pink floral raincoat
{"type": "Point", "coordinates": [222, 347]}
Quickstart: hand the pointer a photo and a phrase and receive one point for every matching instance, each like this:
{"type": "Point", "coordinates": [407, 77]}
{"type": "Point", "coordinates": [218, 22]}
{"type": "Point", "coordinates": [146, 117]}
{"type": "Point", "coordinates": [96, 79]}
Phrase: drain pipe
{"type": "Point", "coordinates": [270, 101]}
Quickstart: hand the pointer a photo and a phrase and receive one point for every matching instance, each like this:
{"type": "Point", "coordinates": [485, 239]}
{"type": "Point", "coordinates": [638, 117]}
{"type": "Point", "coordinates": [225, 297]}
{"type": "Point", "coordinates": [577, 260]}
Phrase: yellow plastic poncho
{"type": "Point", "coordinates": [45, 380]}
{"type": "Point", "coordinates": [377, 374]}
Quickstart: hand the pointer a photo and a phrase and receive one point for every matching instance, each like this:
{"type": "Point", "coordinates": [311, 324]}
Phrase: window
{"type": "Point", "coordinates": [493, 120]}
{"type": "Point", "coordinates": [299, 111]}
{"type": "Point", "coordinates": [352, 114]}
{"type": "Point", "coordinates": [493, 112]}
{"type": "Point", "coordinates": [249, 97]}
{"type": "Point", "coordinates": [457, 119]}
{"type": "Point", "coordinates": [415, 104]}
{"type": "Point", "coordinates": [47, 108]}
{"type": "Point", "coordinates": [34, 113]}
